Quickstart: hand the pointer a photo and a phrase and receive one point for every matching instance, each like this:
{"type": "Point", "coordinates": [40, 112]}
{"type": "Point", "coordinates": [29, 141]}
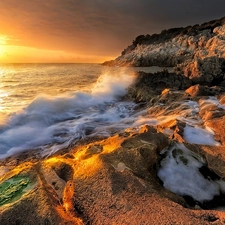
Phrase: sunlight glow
{"type": "Point", "coordinates": [11, 52]}
{"type": "Point", "coordinates": [2, 50]}
{"type": "Point", "coordinates": [3, 40]}
{"type": "Point", "coordinates": [24, 54]}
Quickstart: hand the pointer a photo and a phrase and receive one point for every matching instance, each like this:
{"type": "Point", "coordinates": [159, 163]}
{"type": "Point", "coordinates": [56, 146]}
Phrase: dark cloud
{"type": "Point", "coordinates": [97, 26]}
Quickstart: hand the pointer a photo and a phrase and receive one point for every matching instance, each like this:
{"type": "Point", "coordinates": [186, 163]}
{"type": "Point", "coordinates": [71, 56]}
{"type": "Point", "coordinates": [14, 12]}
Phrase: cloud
{"type": "Point", "coordinates": [98, 26]}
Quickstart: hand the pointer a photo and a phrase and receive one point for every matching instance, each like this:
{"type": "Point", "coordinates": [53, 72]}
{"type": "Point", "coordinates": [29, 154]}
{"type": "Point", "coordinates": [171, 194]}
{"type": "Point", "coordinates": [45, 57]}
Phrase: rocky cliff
{"type": "Point", "coordinates": [175, 46]}
{"type": "Point", "coordinates": [194, 51]}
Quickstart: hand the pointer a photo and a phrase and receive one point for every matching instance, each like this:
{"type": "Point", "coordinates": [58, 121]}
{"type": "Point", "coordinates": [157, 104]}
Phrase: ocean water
{"type": "Point", "coordinates": [52, 106]}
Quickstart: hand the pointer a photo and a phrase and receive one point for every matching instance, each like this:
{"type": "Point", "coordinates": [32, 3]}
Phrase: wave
{"type": "Point", "coordinates": [52, 123]}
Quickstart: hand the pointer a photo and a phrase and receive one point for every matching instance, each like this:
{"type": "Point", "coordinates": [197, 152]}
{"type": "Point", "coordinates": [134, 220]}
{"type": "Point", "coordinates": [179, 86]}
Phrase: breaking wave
{"type": "Point", "coordinates": [53, 123]}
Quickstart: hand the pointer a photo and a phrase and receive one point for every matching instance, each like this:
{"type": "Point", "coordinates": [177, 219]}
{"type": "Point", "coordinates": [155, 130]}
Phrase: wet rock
{"type": "Point", "coordinates": [222, 100]}
{"type": "Point", "coordinates": [187, 174]}
{"type": "Point", "coordinates": [114, 180]}
{"type": "Point", "coordinates": [111, 181]}
{"type": "Point", "coordinates": [129, 188]}
{"type": "Point", "coordinates": [218, 125]}
{"type": "Point", "coordinates": [32, 200]}
{"type": "Point", "coordinates": [209, 71]}
{"type": "Point", "coordinates": [148, 86]}
{"type": "Point", "coordinates": [199, 90]}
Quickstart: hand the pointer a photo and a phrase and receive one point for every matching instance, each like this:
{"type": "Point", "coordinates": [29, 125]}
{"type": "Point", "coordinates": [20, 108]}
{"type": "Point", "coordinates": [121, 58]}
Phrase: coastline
{"type": "Point", "coordinates": [168, 167]}
{"type": "Point", "coordinates": [104, 181]}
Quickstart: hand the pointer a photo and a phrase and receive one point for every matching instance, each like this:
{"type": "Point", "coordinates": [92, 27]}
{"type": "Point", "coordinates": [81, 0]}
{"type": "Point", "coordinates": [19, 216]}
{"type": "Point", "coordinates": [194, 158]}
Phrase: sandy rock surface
{"type": "Point", "coordinates": [115, 180]}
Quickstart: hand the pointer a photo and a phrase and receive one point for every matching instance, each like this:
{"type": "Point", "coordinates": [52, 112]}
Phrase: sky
{"type": "Point", "coordinates": [90, 30]}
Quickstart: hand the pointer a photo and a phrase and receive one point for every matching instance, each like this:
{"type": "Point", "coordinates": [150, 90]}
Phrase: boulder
{"type": "Point", "coordinates": [209, 71]}
{"type": "Point", "coordinates": [148, 85]}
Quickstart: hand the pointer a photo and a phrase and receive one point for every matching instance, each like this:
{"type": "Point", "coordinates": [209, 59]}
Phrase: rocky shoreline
{"type": "Point", "coordinates": [169, 171]}
{"type": "Point", "coordinates": [116, 180]}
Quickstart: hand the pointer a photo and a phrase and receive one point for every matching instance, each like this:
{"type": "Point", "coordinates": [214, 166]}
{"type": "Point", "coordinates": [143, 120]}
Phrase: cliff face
{"type": "Point", "coordinates": [175, 46]}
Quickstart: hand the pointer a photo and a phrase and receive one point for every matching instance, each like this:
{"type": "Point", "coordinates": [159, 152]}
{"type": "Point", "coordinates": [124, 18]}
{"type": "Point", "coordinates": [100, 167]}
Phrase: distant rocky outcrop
{"type": "Point", "coordinates": [195, 51]}
{"type": "Point", "coordinates": [175, 46]}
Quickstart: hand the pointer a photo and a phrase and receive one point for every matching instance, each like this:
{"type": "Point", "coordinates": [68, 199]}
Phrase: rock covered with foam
{"type": "Point", "coordinates": [185, 173]}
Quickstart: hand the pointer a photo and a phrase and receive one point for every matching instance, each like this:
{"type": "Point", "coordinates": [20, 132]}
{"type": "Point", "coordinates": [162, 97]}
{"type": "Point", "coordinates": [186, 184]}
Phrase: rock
{"type": "Point", "coordinates": [175, 46]}
{"type": "Point", "coordinates": [197, 52]}
{"type": "Point", "coordinates": [209, 71]}
{"type": "Point", "coordinates": [35, 201]}
{"type": "Point", "coordinates": [181, 170]}
{"type": "Point", "coordinates": [111, 181]}
{"type": "Point", "coordinates": [198, 90]}
{"type": "Point", "coordinates": [218, 126]}
{"type": "Point", "coordinates": [222, 100]}
{"type": "Point", "coordinates": [148, 86]}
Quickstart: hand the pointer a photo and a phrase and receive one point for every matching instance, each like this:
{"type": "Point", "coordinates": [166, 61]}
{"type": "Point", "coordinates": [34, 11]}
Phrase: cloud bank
{"type": "Point", "coordinates": [97, 27]}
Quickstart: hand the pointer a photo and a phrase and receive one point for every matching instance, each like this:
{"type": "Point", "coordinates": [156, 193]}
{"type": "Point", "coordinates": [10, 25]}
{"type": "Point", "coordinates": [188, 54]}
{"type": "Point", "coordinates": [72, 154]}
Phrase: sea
{"type": "Point", "coordinates": [49, 107]}
{"type": "Point", "coordinates": [52, 106]}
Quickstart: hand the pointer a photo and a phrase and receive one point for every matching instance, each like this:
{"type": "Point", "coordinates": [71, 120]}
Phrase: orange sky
{"type": "Point", "coordinates": [25, 54]}
{"type": "Point", "coordinates": [91, 30]}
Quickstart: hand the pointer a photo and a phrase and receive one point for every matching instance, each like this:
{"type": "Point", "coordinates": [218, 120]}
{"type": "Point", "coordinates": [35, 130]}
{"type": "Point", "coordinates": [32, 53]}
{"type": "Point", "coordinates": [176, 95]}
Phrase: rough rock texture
{"type": "Point", "coordinates": [175, 46]}
{"type": "Point", "coordinates": [198, 52]}
{"type": "Point", "coordinates": [209, 70]}
{"type": "Point", "coordinates": [113, 181]}
{"type": "Point", "coordinates": [147, 86]}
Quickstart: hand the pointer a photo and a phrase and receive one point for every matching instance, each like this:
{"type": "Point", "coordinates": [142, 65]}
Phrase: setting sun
{"type": "Point", "coordinates": [12, 51]}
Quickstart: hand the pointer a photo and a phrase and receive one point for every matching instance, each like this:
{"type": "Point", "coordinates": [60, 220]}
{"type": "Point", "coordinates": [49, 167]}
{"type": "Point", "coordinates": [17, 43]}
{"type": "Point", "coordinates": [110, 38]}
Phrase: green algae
{"type": "Point", "coordinates": [184, 160]}
{"type": "Point", "coordinates": [179, 153]}
{"type": "Point", "coordinates": [13, 189]}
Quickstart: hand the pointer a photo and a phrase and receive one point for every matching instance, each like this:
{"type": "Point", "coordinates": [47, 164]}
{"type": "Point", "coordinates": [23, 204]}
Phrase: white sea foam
{"type": "Point", "coordinates": [61, 120]}
{"type": "Point", "coordinates": [51, 123]}
{"type": "Point", "coordinates": [180, 174]}
{"type": "Point", "coordinates": [198, 135]}
{"type": "Point", "coordinates": [194, 132]}
{"type": "Point", "coordinates": [213, 100]}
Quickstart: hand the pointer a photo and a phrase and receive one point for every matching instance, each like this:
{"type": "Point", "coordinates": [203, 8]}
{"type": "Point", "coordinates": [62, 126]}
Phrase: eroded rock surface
{"type": "Point", "coordinates": [118, 184]}
{"type": "Point", "coordinates": [115, 181]}
{"type": "Point", "coordinates": [196, 52]}
{"type": "Point", "coordinates": [175, 46]}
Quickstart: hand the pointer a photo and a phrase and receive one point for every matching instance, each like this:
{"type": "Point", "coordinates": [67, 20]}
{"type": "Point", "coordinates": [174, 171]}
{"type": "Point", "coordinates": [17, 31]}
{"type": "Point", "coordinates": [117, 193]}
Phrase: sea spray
{"type": "Point", "coordinates": [51, 123]}
{"type": "Point", "coordinates": [68, 107]}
